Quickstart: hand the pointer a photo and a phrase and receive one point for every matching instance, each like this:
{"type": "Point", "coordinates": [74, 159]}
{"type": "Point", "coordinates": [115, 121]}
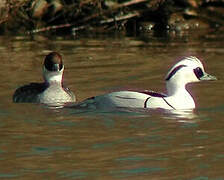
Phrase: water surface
{"type": "Point", "coordinates": [42, 143]}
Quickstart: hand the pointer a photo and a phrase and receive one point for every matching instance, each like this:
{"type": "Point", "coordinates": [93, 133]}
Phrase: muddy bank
{"type": "Point", "coordinates": [103, 16]}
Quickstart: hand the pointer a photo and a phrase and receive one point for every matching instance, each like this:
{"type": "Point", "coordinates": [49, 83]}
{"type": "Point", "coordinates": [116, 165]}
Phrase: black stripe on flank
{"type": "Point", "coordinates": [173, 72]}
{"type": "Point", "coordinates": [168, 103]}
{"type": "Point", "coordinates": [152, 93]}
{"type": "Point", "coordinates": [145, 103]}
{"type": "Point", "coordinates": [124, 97]}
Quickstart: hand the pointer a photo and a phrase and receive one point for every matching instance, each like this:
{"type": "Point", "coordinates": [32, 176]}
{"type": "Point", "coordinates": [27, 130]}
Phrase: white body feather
{"type": "Point", "coordinates": [188, 70]}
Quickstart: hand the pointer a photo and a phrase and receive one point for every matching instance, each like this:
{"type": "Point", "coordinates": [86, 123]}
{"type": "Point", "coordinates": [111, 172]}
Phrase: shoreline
{"type": "Point", "coordinates": [133, 16]}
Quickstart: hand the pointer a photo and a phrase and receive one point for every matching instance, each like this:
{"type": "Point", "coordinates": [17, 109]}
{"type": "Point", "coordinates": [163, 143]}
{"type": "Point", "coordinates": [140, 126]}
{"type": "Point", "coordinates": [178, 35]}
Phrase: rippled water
{"type": "Point", "coordinates": [42, 143]}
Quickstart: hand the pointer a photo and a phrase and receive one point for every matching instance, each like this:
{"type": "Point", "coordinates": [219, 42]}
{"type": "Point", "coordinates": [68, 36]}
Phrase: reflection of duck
{"type": "Point", "coordinates": [188, 70]}
{"type": "Point", "coordinates": [52, 90]}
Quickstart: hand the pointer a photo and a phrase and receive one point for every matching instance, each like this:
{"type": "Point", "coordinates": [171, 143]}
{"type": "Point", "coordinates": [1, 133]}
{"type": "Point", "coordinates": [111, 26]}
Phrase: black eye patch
{"type": "Point", "coordinates": [173, 72]}
{"type": "Point", "coordinates": [198, 72]}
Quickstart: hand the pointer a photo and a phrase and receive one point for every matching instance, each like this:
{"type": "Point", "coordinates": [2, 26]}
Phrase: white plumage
{"type": "Point", "coordinates": [187, 70]}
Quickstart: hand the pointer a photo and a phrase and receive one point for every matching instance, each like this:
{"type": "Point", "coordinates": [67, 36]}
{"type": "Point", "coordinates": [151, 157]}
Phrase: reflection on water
{"type": "Point", "coordinates": [38, 142]}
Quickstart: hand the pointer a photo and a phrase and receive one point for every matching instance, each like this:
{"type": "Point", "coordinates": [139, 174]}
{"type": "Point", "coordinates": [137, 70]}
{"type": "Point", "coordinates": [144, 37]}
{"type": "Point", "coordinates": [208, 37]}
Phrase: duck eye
{"type": "Point", "coordinates": [198, 72]}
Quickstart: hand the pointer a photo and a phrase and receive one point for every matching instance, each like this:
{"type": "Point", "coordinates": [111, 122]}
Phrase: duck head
{"type": "Point", "coordinates": [188, 70]}
{"type": "Point", "coordinates": [53, 68]}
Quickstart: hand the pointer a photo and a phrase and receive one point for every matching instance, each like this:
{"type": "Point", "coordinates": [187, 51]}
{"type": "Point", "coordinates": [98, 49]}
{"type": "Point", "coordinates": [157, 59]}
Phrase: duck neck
{"type": "Point", "coordinates": [178, 96]}
{"type": "Point", "coordinates": [54, 78]}
{"type": "Point", "coordinates": [176, 89]}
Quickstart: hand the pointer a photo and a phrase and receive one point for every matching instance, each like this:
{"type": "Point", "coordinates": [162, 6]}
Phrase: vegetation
{"type": "Point", "coordinates": [34, 16]}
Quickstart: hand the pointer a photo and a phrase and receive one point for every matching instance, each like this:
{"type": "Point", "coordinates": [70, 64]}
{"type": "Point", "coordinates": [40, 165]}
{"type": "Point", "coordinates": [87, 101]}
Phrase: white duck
{"type": "Point", "coordinates": [188, 70]}
{"type": "Point", "coordinates": [52, 91]}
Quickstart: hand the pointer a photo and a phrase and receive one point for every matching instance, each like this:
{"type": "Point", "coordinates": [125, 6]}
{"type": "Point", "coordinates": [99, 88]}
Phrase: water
{"type": "Point", "coordinates": [42, 143]}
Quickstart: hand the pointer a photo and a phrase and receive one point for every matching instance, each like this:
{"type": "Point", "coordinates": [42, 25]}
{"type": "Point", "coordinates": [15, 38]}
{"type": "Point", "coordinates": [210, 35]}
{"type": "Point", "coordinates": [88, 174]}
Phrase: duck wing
{"type": "Point", "coordinates": [29, 93]}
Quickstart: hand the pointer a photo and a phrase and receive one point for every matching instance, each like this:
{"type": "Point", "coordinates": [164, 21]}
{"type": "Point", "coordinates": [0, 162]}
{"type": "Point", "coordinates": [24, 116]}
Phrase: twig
{"type": "Point", "coordinates": [120, 18]}
{"type": "Point", "coordinates": [48, 28]}
{"type": "Point", "coordinates": [132, 2]}
{"type": "Point", "coordinates": [92, 17]}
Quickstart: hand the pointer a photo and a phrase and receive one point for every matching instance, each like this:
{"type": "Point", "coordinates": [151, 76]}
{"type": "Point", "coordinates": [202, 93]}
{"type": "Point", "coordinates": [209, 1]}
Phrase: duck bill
{"type": "Point", "coordinates": [208, 77]}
